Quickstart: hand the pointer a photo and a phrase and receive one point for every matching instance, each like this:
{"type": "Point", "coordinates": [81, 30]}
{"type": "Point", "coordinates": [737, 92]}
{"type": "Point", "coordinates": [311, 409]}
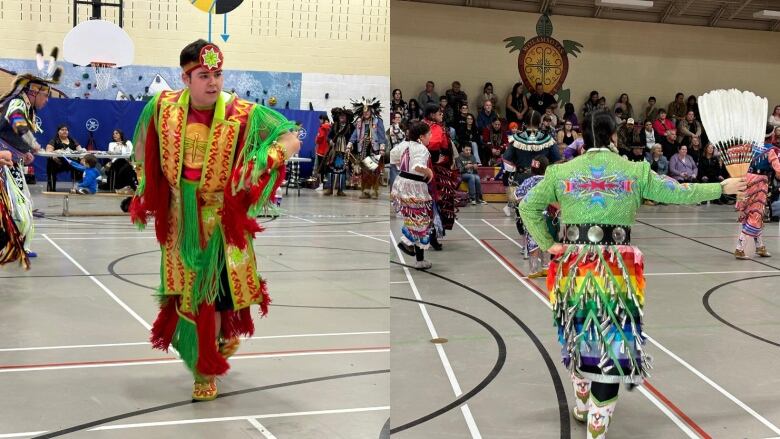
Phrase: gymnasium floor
{"type": "Point", "coordinates": [712, 322]}
{"type": "Point", "coordinates": [74, 357]}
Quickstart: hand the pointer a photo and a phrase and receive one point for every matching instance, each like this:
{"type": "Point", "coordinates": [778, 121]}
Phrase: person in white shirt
{"type": "Point", "coordinates": [120, 145]}
{"type": "Point", "coordinates": [119, 173]}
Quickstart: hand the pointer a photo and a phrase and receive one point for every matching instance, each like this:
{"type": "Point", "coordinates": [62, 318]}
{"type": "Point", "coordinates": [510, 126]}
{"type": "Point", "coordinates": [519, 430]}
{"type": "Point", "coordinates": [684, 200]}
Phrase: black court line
{"type": "Point", "coordinates": [499, 364]}
{"type": "Point", "coordinates": [158, 408]}
{"type": "Point", "coordinates": [705, 244]}
{"type": "Point", "coordinates": [332, 224]}
{"type": "Point", "coordinates": [706, 302]}
{"type": "Point", "coordinates": [113, 263]}
{"type": "Point", "coordinates": [157, 273]}
{"type": "Point", "coordinates": [560, 393]}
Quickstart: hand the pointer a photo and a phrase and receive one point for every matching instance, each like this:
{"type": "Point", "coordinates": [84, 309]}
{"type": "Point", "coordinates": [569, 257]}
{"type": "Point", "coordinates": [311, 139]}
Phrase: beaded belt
{"type": "Point", "coordinates": [599, 234]}
{"type": "Point", "coordinates": [411, 176]}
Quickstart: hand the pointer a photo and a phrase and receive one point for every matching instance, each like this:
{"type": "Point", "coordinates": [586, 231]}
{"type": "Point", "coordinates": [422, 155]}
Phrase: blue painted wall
{"type": "Point", "coordinates": [109, 115]}
{"type": "Point", "coordinates": [134, 81]}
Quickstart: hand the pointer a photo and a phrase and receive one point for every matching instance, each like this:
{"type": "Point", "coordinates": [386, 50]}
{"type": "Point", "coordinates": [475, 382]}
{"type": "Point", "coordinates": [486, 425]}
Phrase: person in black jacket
{"type": "Point", "coordinates": [469, 135]}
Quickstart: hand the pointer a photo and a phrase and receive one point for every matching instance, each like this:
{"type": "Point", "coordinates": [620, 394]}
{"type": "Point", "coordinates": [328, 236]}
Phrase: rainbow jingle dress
{"type": "Point", "coordinates": [597, 286]}
{"type": "Point", "coordinates": [207, 173]}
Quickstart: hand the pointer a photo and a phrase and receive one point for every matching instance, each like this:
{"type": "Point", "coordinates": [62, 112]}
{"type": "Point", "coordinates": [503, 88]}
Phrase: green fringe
{"type": "Point", "coordinates": [264, 128]}
{"type": "Point", "coordinates": [190, 229]}
{"type": "Point", "coordinates": [208, 282]}
{"type": "Point", "coordinates": [141, 127]}
{"type": "Point", "coordinates": [185, 341]}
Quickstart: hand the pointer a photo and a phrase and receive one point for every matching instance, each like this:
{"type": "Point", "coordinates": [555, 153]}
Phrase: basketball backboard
{"type": "Point", "coordinates": [98, 41]}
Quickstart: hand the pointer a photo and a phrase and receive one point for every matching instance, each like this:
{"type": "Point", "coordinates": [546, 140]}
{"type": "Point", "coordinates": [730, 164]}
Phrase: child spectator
{"type": "Point", "coordinates": [88, 185]}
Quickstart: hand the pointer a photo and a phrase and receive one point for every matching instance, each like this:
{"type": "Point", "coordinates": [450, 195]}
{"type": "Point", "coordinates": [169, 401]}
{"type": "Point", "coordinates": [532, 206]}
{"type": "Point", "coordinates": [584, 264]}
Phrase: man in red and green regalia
{"type": "Point", "coordinates": [211, 163]}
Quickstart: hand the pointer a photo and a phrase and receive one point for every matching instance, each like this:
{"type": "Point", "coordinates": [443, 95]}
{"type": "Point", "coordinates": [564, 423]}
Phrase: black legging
{"type": "Point", "coordinates": [121, 174]}
{"type": "Point", "coordinates": [601, 391]}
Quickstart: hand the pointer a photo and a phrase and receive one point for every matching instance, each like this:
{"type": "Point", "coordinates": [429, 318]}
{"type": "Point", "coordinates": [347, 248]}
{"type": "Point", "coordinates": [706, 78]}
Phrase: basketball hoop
{"type": "Point", "coordinates": [102, 74]}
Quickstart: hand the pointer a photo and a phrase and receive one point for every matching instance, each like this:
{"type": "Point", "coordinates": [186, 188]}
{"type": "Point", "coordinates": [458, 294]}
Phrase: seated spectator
{"type": "Point", "coordinates": [566, 136]}
{"type": "Point", "coordinates": [682, 167]}
{"type": "Point", "coordinates": [693, 105]}
{"type": "Point", "coordinates": [774, 118]}
{"type": "Point", "coordinates": [119, 172]}
{"type": "Point", "coordinates": [711, 170]}
{"type": "Point", "coordinates": [398, 104]}
{"type": "Point", "coordinates": [662, 124]}
{"type": "Point", "coordinates": [413, 111]}
{"type": "Point", "coordinates": [486, 116]}
{"type": "Point", "coordinates": [774, 137]}
{"type": "Point", "coordinates": [647, 135]}
{"type": "Point", "coordinates": [88, 185]}
{"type": "Point", "coordinates": [626, 137]}
{"type": "Point", "coordinates": [553, 117]}
{"type": "Point", "coordinates": [636, 153]}
{"type": "Point", "coordinates": [516, 104]}
{"type": "Point", "coordinates": [54, 165]}
{"type": "Point", "coordinates": [688, 128]}
{"type": "Point", "coordinates": [488, 95]}
{"type": "Point", "coordinates": [651, 111]}
{"type": "Point", "coordinates": [695, 150]}
{"type": "Point", "coordinates": [447, 111]}
{"type": "Point", "coordinates": [602, 103]}
{"type": "Point", "coordinates": [677, 108]}
{"type": "Point", "coordinates": [591, 103]}
{"type": "Point", "coordinates": [470, 135]}
{"type": "Point", "coordinates": [619, 119]}
{"type": "Point", "coordinates": [428, 96]}
{"type": "Point", "coordinates": [547, 126]}
{"type": "Point", "coordinates": [570, 116]}
{"type": "Point", "coordinates": [493, 137]}
{"type": "Point", "coordinates": [469, 172]}
{"type": "Point", "coordinates": [625, 105]}
{"type": "Point", "coordinates": [658, 162]}
{"type": "Point", "coordinates": [456, 96]}
{"type": "Point", "coordinates": [460, 118]}
{"type": "Point", "coordinates": [541, 100]}
{"type": "Point", "coordinates": [669, 144]}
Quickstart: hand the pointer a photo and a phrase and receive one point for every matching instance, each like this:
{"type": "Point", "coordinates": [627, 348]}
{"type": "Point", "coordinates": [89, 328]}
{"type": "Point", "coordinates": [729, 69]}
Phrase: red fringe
{"type": "Point", "coordinates": [156, 197]}
{"type": "Point", "coordinates": [235, 221]}
{"type": "Point", "coordinates": [165, 325]}
{"type": "Point", "coordinates": [237, 323]}
{"type": "Point", "coordinates": [210, 362]}
{"type": "Point", "coordinates": [266, 298]}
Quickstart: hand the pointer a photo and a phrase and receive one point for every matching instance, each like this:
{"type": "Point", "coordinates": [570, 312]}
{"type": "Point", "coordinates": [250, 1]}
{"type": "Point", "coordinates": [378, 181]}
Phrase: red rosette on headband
{"type": "Point", "coordinates": [210, 58]}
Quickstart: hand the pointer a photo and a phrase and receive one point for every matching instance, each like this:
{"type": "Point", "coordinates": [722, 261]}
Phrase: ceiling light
{"type": "Point", "coordinates": [625, 4]}
{"type": "Point", "coordinates": [767, 14]}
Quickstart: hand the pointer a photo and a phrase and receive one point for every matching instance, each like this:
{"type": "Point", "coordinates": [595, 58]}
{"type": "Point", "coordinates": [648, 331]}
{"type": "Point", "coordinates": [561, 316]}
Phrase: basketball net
{"type": "Point", "coordinates": [102, 74]}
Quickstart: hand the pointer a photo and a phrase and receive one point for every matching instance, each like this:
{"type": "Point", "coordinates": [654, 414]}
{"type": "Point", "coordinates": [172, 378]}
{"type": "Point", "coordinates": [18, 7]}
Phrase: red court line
{"type": "Point", "coordinates": [538, 290]}
{"type": "Point", "coordinates": [676, 410]}
{"type": "Point", "coordinates": [141, 360]}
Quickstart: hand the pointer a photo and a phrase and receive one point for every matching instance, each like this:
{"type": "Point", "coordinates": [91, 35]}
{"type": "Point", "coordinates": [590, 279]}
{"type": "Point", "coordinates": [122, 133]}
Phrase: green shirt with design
{"type": "Point", "coordinates": [600, 187]}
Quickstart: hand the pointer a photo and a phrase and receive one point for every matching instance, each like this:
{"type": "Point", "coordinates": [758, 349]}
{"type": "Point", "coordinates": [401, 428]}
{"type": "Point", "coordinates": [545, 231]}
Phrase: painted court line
{"type": "Point", "coordinates": [470, 422]}
{"type": "Point", "coordinates": [264, 431]}
{"type": "Point", "coordinates": [100, 284]}
{"type": "Point", "coordinates": [263, 337]}
{"type": "Point", "coordinates": [369, 237]}
{"type": "Point", "coordinates": [169, 360]}
{"type": "Point", "coordinates": [261, 236]}
{"type": "Point", "coordinates": [695, 371]}
{"type": "Point", "coordinates": [302, 219]}
{"type": "Point", "coordinates": [241, 418]}
{"type": "Point", "coordinates": [24, 434]}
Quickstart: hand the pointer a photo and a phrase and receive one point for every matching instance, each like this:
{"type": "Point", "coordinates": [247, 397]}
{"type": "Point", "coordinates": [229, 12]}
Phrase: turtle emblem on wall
{"type": "Point", "coordinates": [544, 59]}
